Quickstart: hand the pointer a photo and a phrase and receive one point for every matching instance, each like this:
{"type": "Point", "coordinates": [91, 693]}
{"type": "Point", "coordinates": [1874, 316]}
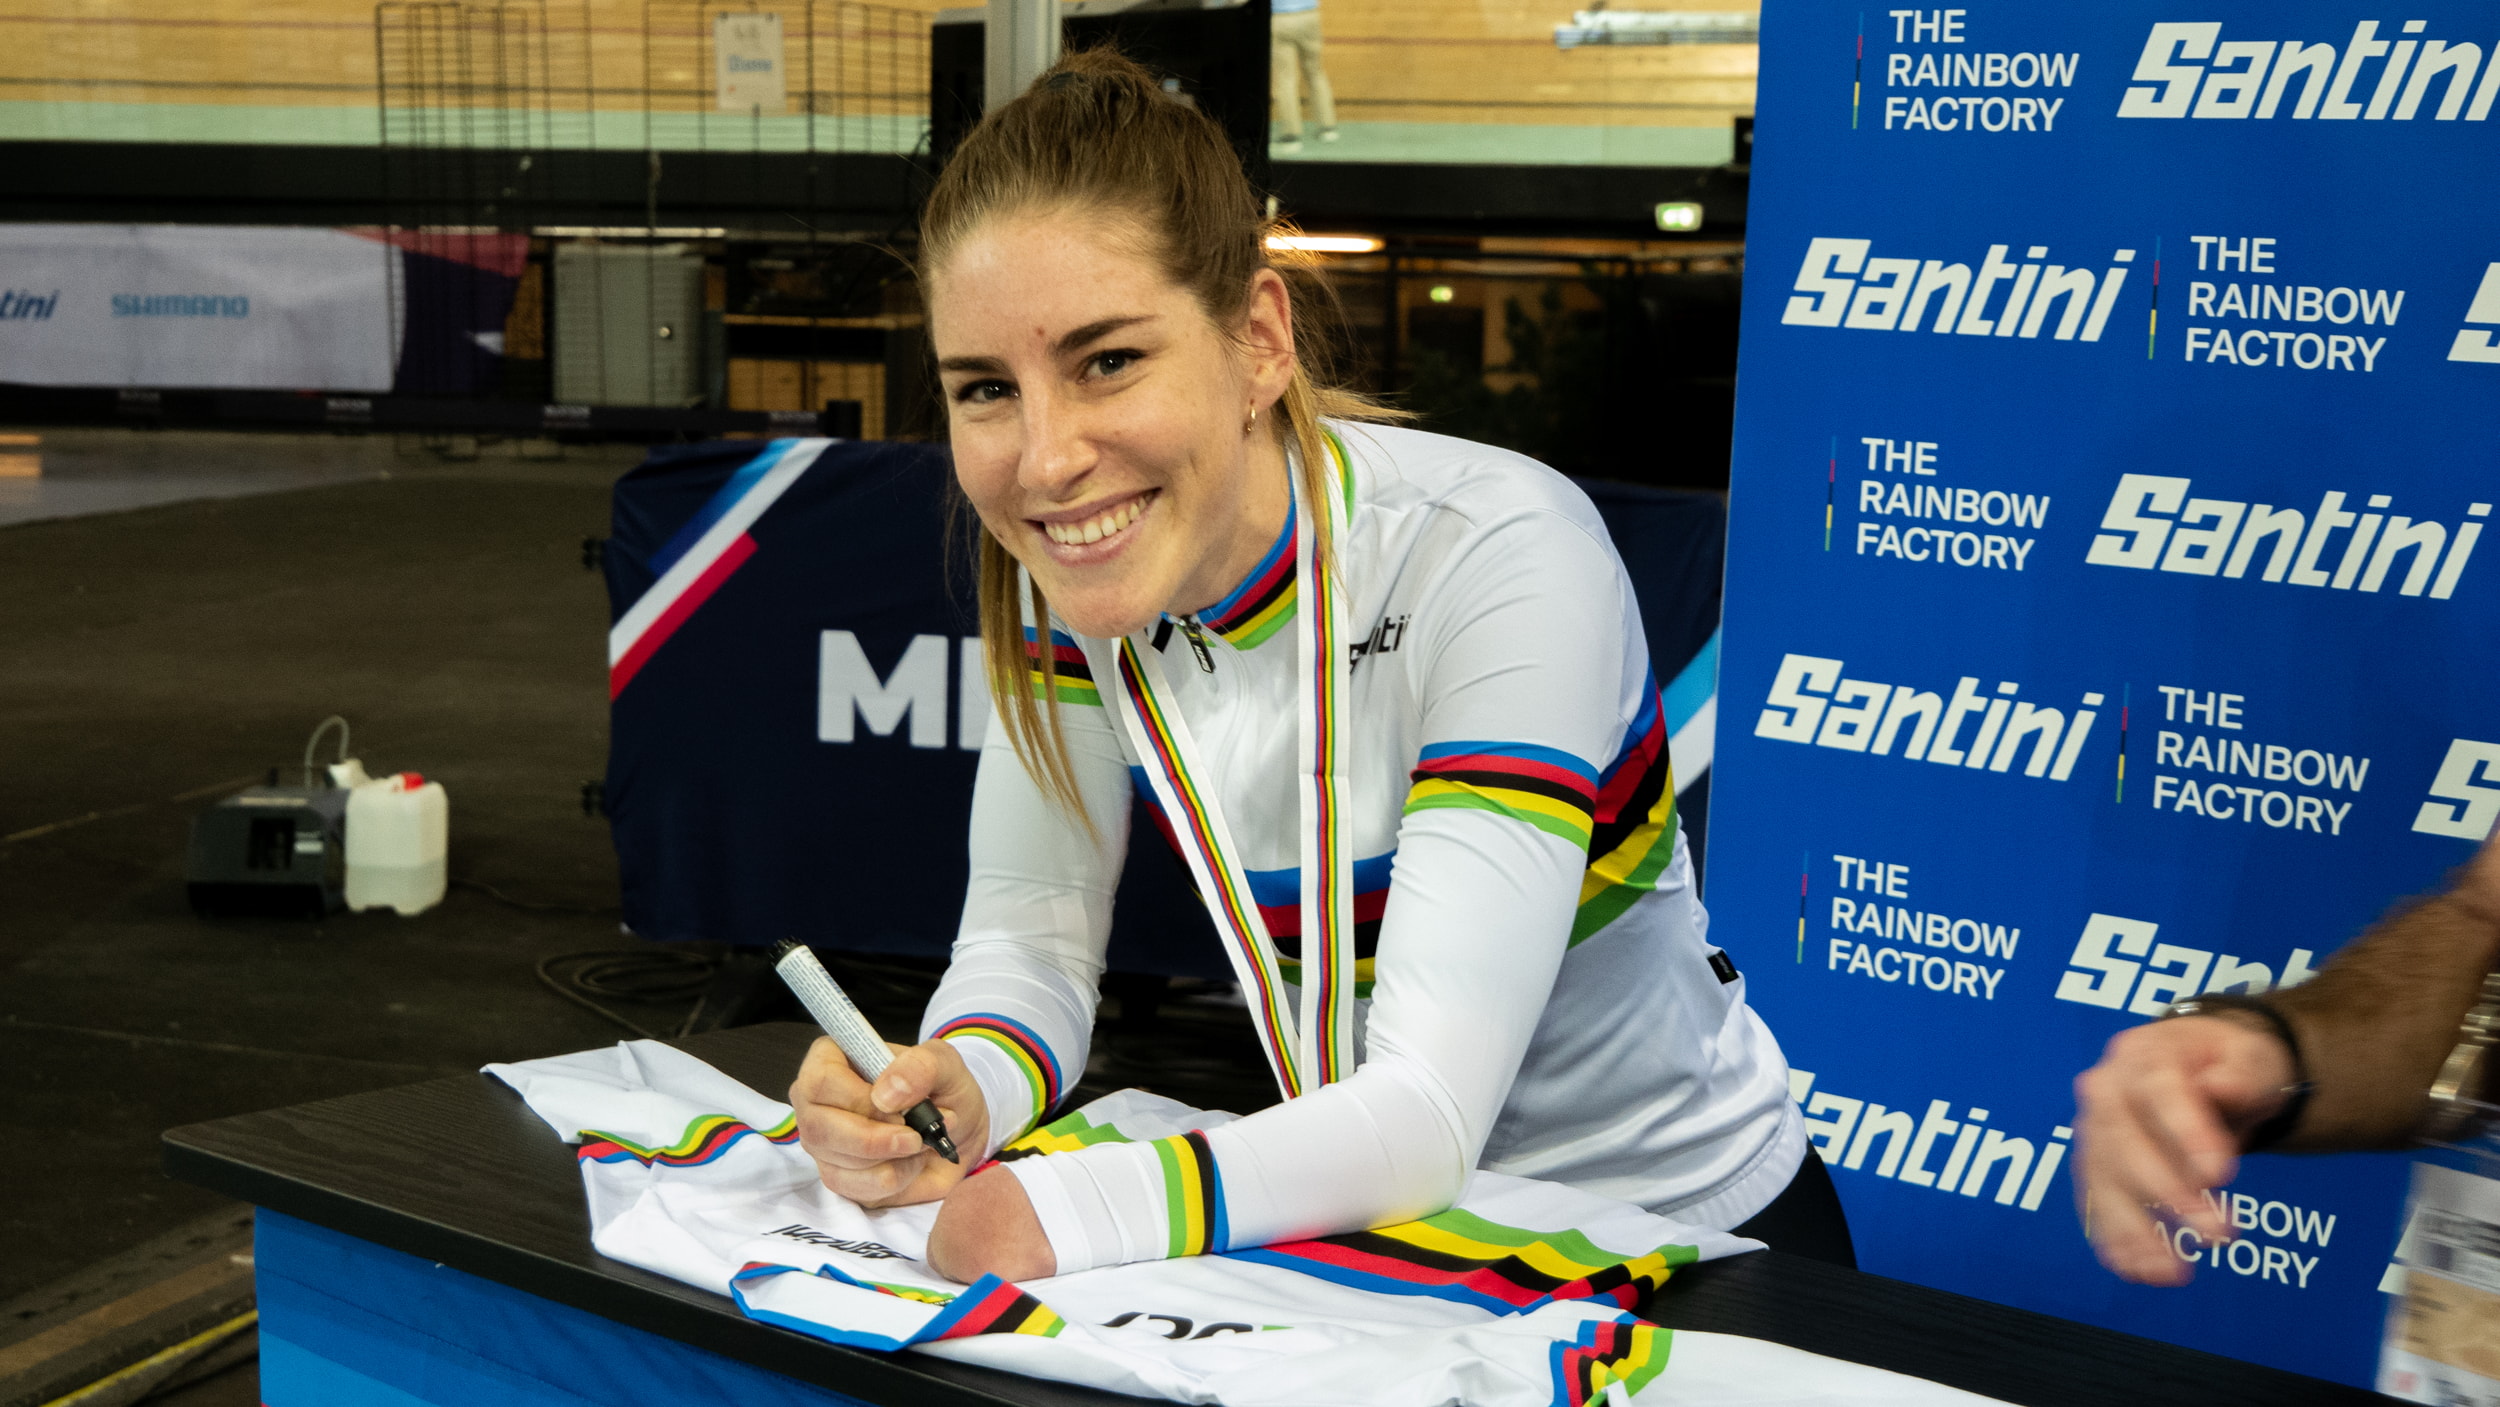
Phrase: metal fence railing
{"type": "Point", "coordinates": [802, 76]}
{"type": "Point", "coordinates": [503, 120]}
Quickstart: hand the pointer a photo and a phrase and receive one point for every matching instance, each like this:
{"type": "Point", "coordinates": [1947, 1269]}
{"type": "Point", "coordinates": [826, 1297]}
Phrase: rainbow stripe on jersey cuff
{"type": "Point", "coordinates": [1029, 1052]}
{"type": "Point", "coordinates": [1545, 787]}
{"type": "Point", "coordinates": [992, 1306]}
{"type": "Point", "coordinates": [1193, 1196]}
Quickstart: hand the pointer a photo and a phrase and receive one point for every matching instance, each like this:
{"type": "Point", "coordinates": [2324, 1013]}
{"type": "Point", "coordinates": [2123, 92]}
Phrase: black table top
{"type": "Point", "coordinates": [514, 1214]}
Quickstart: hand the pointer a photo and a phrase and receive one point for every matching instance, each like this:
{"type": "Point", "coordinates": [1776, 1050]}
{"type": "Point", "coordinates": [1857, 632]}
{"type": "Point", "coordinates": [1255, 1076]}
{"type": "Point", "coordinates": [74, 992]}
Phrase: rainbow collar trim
{"type": "Point", "coordinates": [1264, 602]}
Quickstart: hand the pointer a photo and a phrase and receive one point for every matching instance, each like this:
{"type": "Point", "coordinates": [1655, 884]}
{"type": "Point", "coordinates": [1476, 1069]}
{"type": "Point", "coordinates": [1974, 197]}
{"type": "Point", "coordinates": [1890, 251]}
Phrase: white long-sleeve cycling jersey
{"type": "Point", "coordinates": [1536, 993]}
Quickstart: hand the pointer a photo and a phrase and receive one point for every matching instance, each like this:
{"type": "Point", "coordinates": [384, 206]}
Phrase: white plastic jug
{"type": "Point", "coordinates": [398, 830]}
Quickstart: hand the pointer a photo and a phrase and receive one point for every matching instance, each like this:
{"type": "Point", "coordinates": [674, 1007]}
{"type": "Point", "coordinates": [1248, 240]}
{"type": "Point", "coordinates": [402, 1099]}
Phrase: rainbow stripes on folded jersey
{"type": "Point", "coordinates": [915, 1293]}
{"type": "Point", "coordinates": [1634, 837]}
{"type": "Point", "coordinates": [1545, 787]}
{"type": "Point", "coordinates": [705, 1139]}
{"type": "Point", "coordinates": [1264, 601]}
{"type": "Point", "coordinates": [1029, 1051]}
{"type": "Point", "coordinates": [1464, 1258]}
{"type": "Point", "coordinates": [992, 1306]}
{"type": "Point", "coordinates": [1193, 1196]}
{"type": "Point", "coordinates": [1608, 1351]}
{"type": "Point", "coordinates": [1070, 680]}
{"type": "Point", "coordinates": [988, 1306]}
{"type": "Point", "coordinates": [1064, 1135]}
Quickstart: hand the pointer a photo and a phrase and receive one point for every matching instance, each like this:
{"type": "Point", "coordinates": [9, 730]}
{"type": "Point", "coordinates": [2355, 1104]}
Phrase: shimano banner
{"type": "Point", "coordinates": [2105, 619]}
{"type": "Point", "coordinates": [225, 306]}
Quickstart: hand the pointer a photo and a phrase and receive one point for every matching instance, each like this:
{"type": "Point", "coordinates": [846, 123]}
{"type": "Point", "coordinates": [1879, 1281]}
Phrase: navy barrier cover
{"type": "Point", "coordinates": [797, 699]}
{"type": "Point", "coordinates": [2109, 618]}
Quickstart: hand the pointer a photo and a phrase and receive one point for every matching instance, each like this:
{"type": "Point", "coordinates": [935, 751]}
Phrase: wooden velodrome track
{"type": "Point", "coordinates": [1394, 61]}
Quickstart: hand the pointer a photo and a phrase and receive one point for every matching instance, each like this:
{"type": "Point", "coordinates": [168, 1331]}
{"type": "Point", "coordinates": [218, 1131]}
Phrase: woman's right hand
{"type": "Point", "coordinates": [855, 1130]}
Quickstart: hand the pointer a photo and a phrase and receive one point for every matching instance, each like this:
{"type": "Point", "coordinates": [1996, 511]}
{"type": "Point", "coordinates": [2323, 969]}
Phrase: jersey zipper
{"type": "Point", "coordinates": [1197, 643]}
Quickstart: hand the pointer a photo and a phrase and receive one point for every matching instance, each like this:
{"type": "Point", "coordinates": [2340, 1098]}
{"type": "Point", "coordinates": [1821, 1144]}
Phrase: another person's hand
{"type": "Point", "coordinates": [2158, 1122]}
{"type": "Point", "coordinates": [855, 1131]}
{"type": "Point", "coordinates": [987, 1227]}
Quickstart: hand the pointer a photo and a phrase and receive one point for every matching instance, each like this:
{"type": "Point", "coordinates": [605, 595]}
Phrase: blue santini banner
{"type": "Point", "coordinates": [2105, 621]}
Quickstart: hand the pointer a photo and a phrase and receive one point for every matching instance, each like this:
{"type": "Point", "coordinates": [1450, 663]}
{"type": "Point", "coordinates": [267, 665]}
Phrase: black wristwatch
{"type": "Point", "coordinates": [2295, 1095]}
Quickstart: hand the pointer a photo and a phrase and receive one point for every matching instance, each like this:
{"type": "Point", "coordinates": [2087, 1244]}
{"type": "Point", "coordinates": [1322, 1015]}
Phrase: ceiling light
{"type": "Point", "coordinates": [1679, 215]}
{"type": "Point", "coordinates": [630, 232]}
{"type": "Point", "coordinates": [1326, 244]}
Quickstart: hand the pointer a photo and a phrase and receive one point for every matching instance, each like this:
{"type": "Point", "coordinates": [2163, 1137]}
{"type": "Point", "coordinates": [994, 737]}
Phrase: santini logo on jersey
{"type": "Point", "coordinates": [1811, 703]}
{"type": "Point", "coordinates": [1839, 285]}
{"type": "Point", "coordinates": [2206, 536]}
{"type": "Point", "coordinates": [2185, 71]}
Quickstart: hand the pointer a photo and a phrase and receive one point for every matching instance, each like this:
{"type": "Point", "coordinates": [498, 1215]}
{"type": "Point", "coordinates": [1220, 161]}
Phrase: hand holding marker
{"type": "Point", "coordinates": [832, 1008]}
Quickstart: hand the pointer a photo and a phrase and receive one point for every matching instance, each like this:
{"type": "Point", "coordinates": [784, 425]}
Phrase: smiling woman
{"type": "Point", "coordinates": [1102, 200]}
{"type": "Point", "coordinates": [1412, 754]}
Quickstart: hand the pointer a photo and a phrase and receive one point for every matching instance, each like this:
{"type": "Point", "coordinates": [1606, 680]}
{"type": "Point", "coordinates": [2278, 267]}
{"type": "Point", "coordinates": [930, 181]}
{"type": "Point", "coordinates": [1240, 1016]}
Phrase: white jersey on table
{"type": "Point", "coordinates": [694, 1176]}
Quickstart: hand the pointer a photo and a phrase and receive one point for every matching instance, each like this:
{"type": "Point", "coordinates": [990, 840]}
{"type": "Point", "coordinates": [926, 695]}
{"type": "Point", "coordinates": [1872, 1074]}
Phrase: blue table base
{"type": "Point", "coordinates": [346, 1323]}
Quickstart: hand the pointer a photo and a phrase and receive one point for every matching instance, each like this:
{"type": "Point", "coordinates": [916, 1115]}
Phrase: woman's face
{"type": "Point", "coordinates": [1098, 416]}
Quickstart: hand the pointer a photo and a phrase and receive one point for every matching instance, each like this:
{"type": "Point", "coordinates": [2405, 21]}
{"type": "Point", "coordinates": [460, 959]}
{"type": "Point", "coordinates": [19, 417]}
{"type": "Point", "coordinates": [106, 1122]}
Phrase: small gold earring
{"type": "Point", "coordinates": [1252, 421]}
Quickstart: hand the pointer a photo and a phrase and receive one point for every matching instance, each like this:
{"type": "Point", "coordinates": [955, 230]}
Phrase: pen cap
{"type": "Point", "coordinates": [832, 1008]}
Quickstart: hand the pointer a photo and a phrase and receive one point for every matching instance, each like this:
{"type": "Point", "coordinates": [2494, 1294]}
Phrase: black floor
{"type": "Point", "coordinates": [152, 659]}
{"type": "Point", "coordinates": [173, 652]}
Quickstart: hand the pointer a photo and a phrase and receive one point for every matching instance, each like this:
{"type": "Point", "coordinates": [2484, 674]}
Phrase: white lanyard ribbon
{"type": "Point", "coordinates": [1315, 1046]}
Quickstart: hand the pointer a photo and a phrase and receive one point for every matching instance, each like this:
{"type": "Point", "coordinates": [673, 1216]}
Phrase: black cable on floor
{"type": "Point", "coordinates": [651, 974]}
{"type": "Point", "coordinates": [532, 906]}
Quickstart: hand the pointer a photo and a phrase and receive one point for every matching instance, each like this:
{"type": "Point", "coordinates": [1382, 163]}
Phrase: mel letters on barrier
{"type": "Point", "coordinates": [2108, 617]}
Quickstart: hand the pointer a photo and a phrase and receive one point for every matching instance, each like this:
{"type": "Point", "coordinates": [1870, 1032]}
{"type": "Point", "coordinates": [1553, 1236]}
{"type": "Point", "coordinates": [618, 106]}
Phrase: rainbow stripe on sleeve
{"type": "Point", "coordinates": [1462, 1257]}
{"type": "Point", "coordinates": [1193, 1195]}
{"type": "Point", "coordinates": [1028, 1050]}
{"type": "Point", "coordinates": [1071, 679]}
{"type": "Point", "coordinates": [1544, 787]}
{"type": "Point", "coordinates": [706, 1138]}
{"type": "Point", "coordinates": [1607, 1351]}
{"type": "Point", "coordinates": [1635, 833]}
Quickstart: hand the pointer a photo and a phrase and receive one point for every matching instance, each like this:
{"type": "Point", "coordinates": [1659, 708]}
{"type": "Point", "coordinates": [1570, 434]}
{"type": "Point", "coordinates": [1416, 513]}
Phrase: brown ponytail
{"type": "Point", "coordinates": [1098, 133]}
